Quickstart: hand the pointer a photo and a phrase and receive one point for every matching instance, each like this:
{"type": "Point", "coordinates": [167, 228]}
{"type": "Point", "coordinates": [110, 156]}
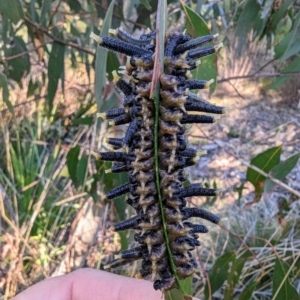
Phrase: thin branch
{"type": "Point", "coordinates": [236, 90]}
{"type": "Point", "coordinates": [257, 76]}
{"type": "Point", "coordinates": [57, 40]}
{"type": "Point", "coordinates": [264, 66]}
{"type": "Point", "coordinates": [25, 52]}
{"type": "Point", "coordinates": [53, 14]}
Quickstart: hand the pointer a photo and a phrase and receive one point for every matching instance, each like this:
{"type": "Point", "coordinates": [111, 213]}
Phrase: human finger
{"type": "Point", "coordinates": [90, 284]}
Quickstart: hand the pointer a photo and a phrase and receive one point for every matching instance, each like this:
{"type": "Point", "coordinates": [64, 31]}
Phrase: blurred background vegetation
{"type": "Point", "coordinates": [53, 214]}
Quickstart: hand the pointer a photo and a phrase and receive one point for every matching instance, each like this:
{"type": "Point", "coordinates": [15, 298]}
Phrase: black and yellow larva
{"type": "Point", "coordinates": [165, 258]}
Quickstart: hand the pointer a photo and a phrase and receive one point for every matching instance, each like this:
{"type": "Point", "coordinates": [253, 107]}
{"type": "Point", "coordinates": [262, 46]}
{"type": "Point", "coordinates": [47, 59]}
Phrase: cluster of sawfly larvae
{"type": "Point", "coordinates": [165, 254]}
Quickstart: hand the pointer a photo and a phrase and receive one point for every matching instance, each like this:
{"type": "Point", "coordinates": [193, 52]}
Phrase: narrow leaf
{"type": "Point", "coordinates": [19, 66]}
{"type": "Point", "coordinates": [46, 5]}
{"type": "Point", "coordinates": [295, 34]}
{"type": "Point", "coordinates": [5, 92]}
{"type": "Point", "coordinates": [11, 9]}
{"type": "Point", "coordinates": [83, 121]}
{"type": "Point", "coordinates": [218, 274]}
{"type": "Point", "coordinates": [72, 163]}
{"type": "Point", "coordinates": [112, 64]}
{"type": "Point", "coordinates": [75, 5]}
{"type": "Point", "coordinates": [246, 294]}
{"type": "Point", "coordinates": [245, 23]}
{"type": "Point", "coordinates": [282, 288]}
{"type": "Point", "coordinates": [101, 59]}
{"type": "Point", "coordinates": [264, 161]}
{"type": "Point", "coordinates": [161, 25]}
{"type": "Point", "coordinates": [293, 66]}
{"type": "Point", "coordinates": [280, 13]}
{"type": "Point", "coordinates": [146, 4]}
{"type": "Point", "coordinates": [55, 70]}
{"type": "Point", "coordinates": [233, 277]}
{"type": "Point", "coordinates": [196, 26]}
{"type": "Point", "coordinates": [281, 171]}
{"type": "Point", "coordinates": [81, 169]}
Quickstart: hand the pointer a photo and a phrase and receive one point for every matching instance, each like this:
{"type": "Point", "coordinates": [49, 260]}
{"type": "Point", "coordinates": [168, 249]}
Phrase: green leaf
{"type": "Point", "coordinates": [245, 23]}
{"type": "Point", "coordinates": [19, 66]}
{"type": "Point", "coordinates": [293, 49]}
{"type": "Point", "coordinates": [81, 170]}
{"type": "Point", "coordinates": [282, 288]}
{"type": "Point", "coordinates": [72, 163]}
{"type": "Point", "coordinates": [294, 66]}
{"type": "Point", "coordinates": [55, 69]}
{"type": "Point", "coordinates": [196, 26]}
{"type": "Point", "coordinates": [259, 27]}
{"type": "Point", "coordinates": [233, 277]}
{"type": "Point", "coordinates": [101, 59]}
{"type": "Point", "coordinates": [186, 285]}
{"type": "Point", "coordinates": [46, 6]}
{"type": "Point", "coordinates": [281, 171]}
{"type": "Point", "coordinates": [279, 14]}
{"type": "Point", "coordinates": [112, 64]}
{"type": "Point", "coordinates": [124, 240]}
{"type": "Point", "coordinates": [246, 294]}
{"type": "Point", "coordinates": [146, 4]}
{"type": "Point", "coordinates": [33, 88]}
{"type": "Point", "coordinates": [295, 34]}
{"type": "Point", "coordinates": [11, 9]}
{"type": "Point", "coordinates": [5, 92]}
{"type": "Point", "coordinates": [218, 274]}
{"type": "Point", "coordinates": [280, 48]}
{"type": "Point", "coordinates": [282, 29]}
{"type": "Point", "coordinates": [83, 110]}
{"type": "Point", "coordinates": [83, 121]}
{"type": "Point", "coordinates": [176, 294]}
{"type": "Point", "coordinates": [278, 81]}
{"type": "Point", "coordinates": [75, 5]}
{"type": "Point", "coordinates": [265, 161]}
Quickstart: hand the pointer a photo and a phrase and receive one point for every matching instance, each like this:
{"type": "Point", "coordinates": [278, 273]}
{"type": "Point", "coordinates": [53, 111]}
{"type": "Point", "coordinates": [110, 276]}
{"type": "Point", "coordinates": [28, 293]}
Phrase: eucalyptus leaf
{"type": "Point", "coordinates": [46, 6]}
{"type": "Point", "coordinates": [265, 161]}
{"type": "Point", "coordinates": [196, 26]}
{"type": "Point", "coordinates": [233, 277]}
{"type": "Point", "coordinates": [81, 170]}
{"type": "Point", "coordinates": [5, 92]}
{"type": "Point", "coordinates": [20, 65]}
{"type": "Point", "coordinates": [281, 170]}
{"type": "Point", "coordinates": [146, 4]}
{"type": "Point", "coordinates": [12, 9]}
{"type": "Point", "coordinates": [279, 14]}
{"type": "Point", "coordinates": [293, 66]}
{"type": "Point", "coordinates": [72, 163]}
{"type": "Point", "coordinates": [282, 287]}
{"type": "Point", "coordinates": [83, 121]}
{"type": "Point", "coordinates": [245, 23]}
{"type": "Point", "coordinates": [246, 294]}
{"type": "Point", "coordinates": [295, 34]}
{"type": "Point", "coordinates": [55, 69]}
{"type": "Point", "coordinates": [101, 60]}
{"type": "Point", "coordinates": [218, 274]}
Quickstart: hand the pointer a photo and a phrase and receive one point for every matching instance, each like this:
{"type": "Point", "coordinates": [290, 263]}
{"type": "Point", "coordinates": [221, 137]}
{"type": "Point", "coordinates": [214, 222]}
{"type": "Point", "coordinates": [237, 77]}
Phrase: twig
{"type": "Point", "coordinates": [256, 76]}
{"type": "Point", "coordinates": [236, 90]}
{"type": "Point", "coordinates": [25, 52]}
{"type": "Point", "coordinates": [53, 14]}
{"type": "Point", "coordinates": [264, 66]}
{"type": "Point", "coordinates": [57, 40]}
